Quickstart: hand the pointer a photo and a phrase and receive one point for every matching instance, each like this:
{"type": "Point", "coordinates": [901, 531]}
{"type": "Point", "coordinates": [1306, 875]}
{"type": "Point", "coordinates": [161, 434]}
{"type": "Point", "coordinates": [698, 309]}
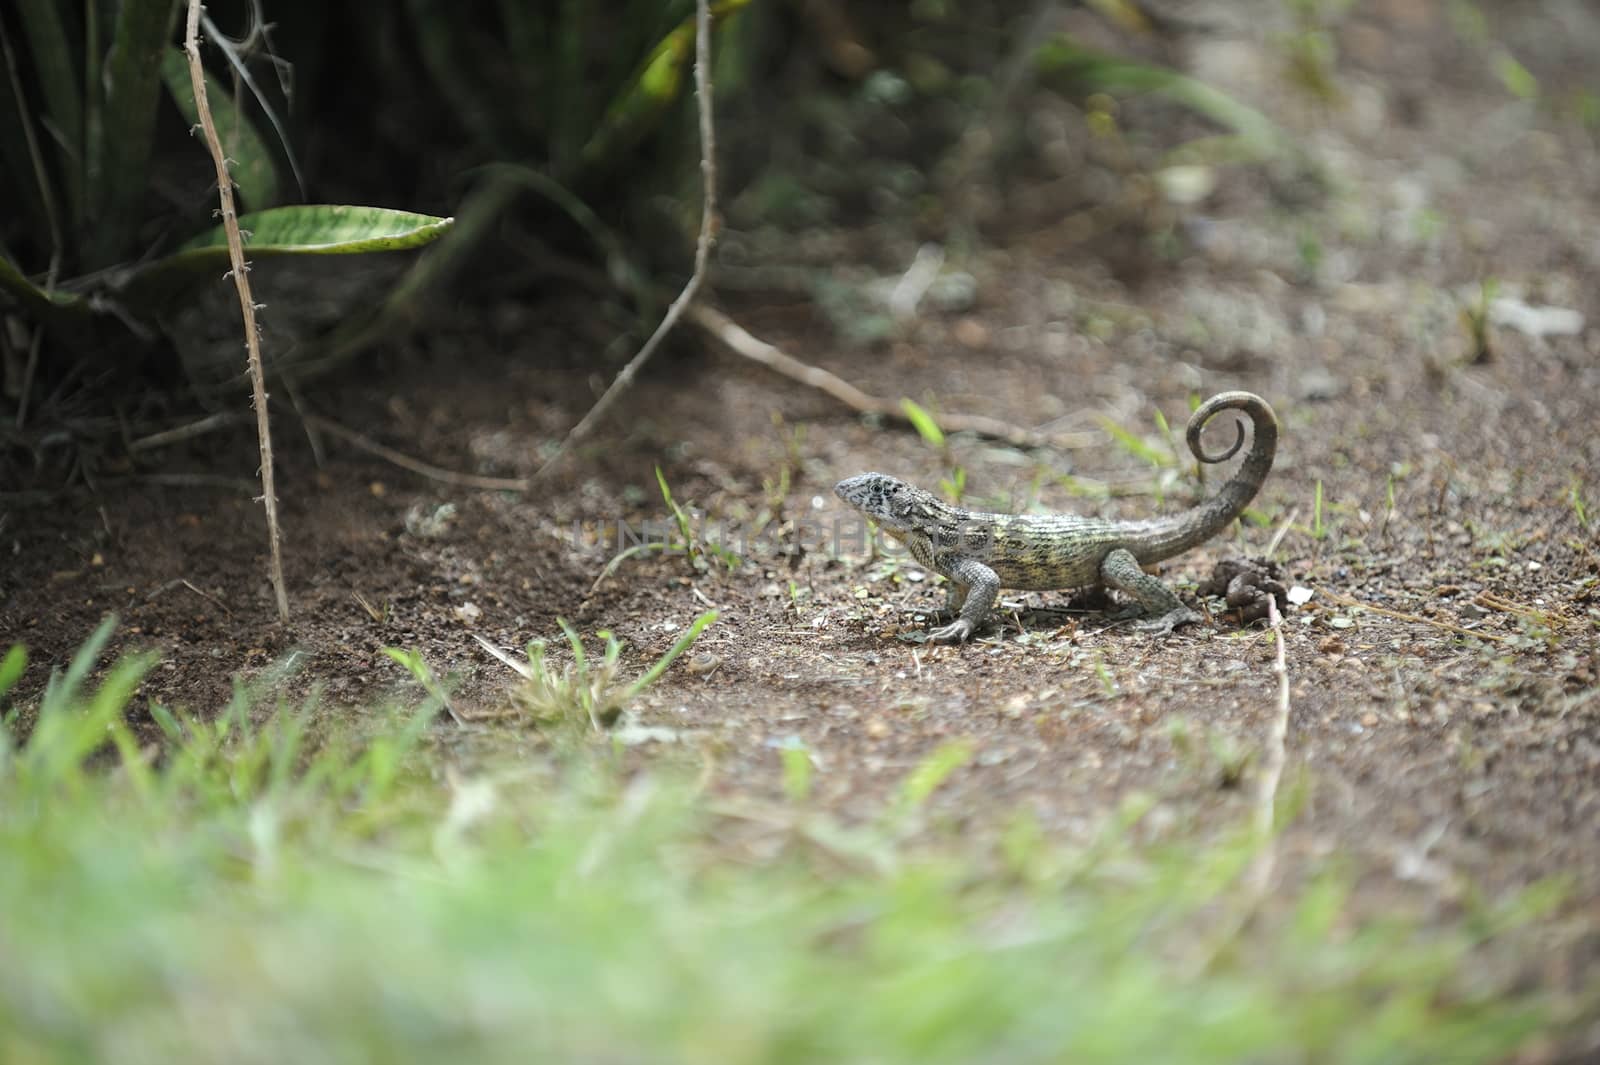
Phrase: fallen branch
{"type": "Point", "coordinates": [702, 247]}
{"type": "Point", "coordinates": [166, 437]}
{"type": "Point", "coordinates": [1418, 618]}
{"type": "Point", "coordinates": [247, 307]}
{"type": "Point", "coordinates": [416, 466]}
{"type": "Point", "coordinates": [1490, 601]}
{"type": "Point", "coordinates": [740, 342]}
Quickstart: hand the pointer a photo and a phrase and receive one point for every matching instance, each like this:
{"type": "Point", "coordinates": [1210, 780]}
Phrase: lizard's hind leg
{"type": "Point", "coordinates": [1163, 611]}
{"type": "Point", "coordinates": [955, 595]}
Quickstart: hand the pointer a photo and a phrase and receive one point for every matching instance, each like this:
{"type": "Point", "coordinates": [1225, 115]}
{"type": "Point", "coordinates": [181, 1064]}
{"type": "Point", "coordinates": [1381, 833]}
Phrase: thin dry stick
{"type": "Point", "coordinates": [247, 306]}
{"type": "Point", "coordinates": [1401, 615]}
{"type": "Point", "coordinates": [1283, 530]}
{"type": "Point", "coordinates": [1259, 877]}
{"type": "Point", "coordinates": [406, 462]}
{"type": "Point", "coordinates": [1497, 602]}
{"type": "Point", "coordinates": [740, 342]}
{"type": "Point", "coordinates": [702, 246]}
{"type": "Point", "coordinates": [208, 424]}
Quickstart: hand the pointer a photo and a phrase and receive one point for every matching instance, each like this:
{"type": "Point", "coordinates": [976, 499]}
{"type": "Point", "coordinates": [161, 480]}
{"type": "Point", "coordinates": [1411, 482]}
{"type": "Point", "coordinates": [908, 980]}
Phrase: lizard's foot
{"type": "Point", "coordinates": [1163, 625]}
{"type": "Point", "coordinates": [955, 632]}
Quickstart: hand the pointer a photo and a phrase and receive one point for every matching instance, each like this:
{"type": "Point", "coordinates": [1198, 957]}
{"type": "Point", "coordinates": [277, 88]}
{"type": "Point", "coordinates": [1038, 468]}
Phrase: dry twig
{"type": "Point", "coordinates": [739, 341]}
{"type": "Point", "coordinates": [406, 462]}
{"type": "Point", "coordinates": [1401, 615]}
{"type": "Point", "coordinates": [208, 424]}
{"type": "Point", "coordinates": [1283, 530]}
{"type": "Point", "coordinates": [1259, 877]}
{"type": "Point", "coordinates": [247, 307]}
{"type": "Point", "coordinates": [702, 247]}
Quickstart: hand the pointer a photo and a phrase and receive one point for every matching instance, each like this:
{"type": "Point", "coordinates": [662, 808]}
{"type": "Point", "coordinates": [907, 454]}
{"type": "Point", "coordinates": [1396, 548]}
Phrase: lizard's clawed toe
{"type": "Point", "coordinates": [1163, 625]}
{"type": "Point", "coordinates": [955, 632]}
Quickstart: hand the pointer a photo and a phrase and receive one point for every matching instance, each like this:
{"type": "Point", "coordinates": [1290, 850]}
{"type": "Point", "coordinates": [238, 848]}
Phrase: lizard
{"type": "Point", "coordinates": [981, 553]}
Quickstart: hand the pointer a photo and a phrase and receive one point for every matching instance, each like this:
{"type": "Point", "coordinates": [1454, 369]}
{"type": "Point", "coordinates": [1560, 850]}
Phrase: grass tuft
{"type": "Point", "coordinates": [276, 889]}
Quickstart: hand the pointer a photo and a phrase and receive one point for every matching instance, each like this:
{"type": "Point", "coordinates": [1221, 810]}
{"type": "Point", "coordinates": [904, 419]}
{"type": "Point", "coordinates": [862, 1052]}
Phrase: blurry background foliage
{"type": "Point", "coordinates": [553, 132]}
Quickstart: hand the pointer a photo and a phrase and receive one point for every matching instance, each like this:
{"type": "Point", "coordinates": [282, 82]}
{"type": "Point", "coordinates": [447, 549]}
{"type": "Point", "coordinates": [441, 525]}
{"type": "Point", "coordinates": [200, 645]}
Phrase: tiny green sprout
{"type": "Point", "coordinates": [1319, 531]}
{"type": "Point", "coordinates": [1580, 509]}
{"type": "Point", "coordinates": [586, 691]}
{"type": "Point", "coordinates": [679, 517]}
{"type": "Point", "coordinates": [1309, 248]}
{"type": "Point", "coordinates": [1107, 681]}
{"type": "Point", "coordinates": [954, 486]}
{"type": "Point", "coordinates": [796, 771]}
{"type": "Point", "coordinates": [924, 424]}
{"type": "Point", "coordinates": [1517, 79]}
{"type": "Point", "coordinates": [1135, 446]}
{"type": "Point", "coordinates": [920, 784]}
{"type": "Point", "coordinates": [1475, 319]}
{"type": "Point", "coordinates": [1389, 505]}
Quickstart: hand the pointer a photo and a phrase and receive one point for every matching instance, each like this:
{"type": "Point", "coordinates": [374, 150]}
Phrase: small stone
{"type": "Point", "coordinates": [972, 334]}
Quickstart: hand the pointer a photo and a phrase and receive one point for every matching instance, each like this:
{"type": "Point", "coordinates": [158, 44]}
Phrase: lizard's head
{"type": "Point", "coordinates": [889, 501]}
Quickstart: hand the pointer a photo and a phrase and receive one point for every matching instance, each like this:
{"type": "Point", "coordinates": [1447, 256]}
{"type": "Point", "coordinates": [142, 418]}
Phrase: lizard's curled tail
{"type": "Point", "coordinates": [1229, 502]}
{"type": "Point", "coordinates": [1161, 538]}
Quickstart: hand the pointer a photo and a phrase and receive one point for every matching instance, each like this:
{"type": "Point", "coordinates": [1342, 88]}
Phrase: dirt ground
{"type": "Point", "coordinates": [1446, 730]}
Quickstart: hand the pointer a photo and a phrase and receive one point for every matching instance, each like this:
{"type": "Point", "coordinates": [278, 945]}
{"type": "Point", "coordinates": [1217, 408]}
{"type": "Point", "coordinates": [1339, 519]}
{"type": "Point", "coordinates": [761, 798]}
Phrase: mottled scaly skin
{"type": "Point", "coordinates": [981, 553]}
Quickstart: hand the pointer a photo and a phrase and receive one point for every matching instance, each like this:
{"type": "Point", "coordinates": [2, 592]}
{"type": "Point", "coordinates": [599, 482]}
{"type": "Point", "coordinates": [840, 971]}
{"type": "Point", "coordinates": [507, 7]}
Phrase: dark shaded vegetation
{"type": "Point", "coordinates": [558, 135]}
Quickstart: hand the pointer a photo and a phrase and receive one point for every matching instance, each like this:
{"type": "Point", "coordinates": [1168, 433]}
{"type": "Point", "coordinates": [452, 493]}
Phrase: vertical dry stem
{"type": "Point", "coordinates": [247, 306]}
{"type": "Point", "coordinates": [702, 247]}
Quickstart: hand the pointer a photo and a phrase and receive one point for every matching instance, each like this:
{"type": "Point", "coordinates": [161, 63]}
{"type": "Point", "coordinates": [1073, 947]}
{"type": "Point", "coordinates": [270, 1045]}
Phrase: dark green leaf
{"type": "Point", "coordinates": [119, 163]}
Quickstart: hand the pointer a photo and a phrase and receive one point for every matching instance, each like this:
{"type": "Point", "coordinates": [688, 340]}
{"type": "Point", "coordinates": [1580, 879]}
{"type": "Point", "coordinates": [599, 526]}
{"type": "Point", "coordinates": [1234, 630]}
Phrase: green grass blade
{"type": "Point", "coordinates": [692, 633]}
{"type": "Point", "coordinates": [63, 689]}
{"type": "Point", "coordinates": [12, 667]}
{"type": "Point", "coordinates": [924, 423]}
{"type": "Point", "coordinates": [580, 660]}
{"type": "Point", "coordinates": [66, 734]}
{"type": "Point", "coordinates": [1136, 446]}
{"type": "Point", "coordinates": [685, 528]}
{"type": "Point", "coordinates": [931, 772]}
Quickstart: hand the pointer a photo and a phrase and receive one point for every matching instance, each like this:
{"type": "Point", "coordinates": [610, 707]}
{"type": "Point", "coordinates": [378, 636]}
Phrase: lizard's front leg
{"type": "Point", "coordinates": [1163, 611]}
{"type": "Point", "coordinates": [975, 587]}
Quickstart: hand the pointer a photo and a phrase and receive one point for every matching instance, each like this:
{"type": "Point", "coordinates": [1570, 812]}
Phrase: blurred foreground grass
{"type": "Point", "coordinates": [280, 892]}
